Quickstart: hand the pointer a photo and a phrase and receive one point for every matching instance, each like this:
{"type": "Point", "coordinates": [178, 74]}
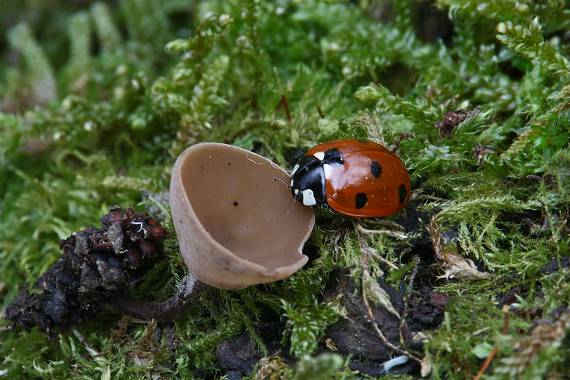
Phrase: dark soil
{"type": "Point", "coordinates": [239, 355]}
{"type": "Point", "coordinates": [355, 336]}
{"type": "Point", "coordinates": [555, 265]}
{"type": "Point", "coordinates": [351, 336]}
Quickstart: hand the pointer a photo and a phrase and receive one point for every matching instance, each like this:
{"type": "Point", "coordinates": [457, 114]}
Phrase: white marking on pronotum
{"type": "Point", "coordinates": [291, 182]}
{"type": "Point", "coordinates": [296, 191]}
{"type": "Point", "coordinates": [308, 197]}
{"type": "Point", "coordinates": [295, 168]}
{"type": "Point", "coordinates": [319, 155]}
{"type": "Point", "coordinates": [328, 170]}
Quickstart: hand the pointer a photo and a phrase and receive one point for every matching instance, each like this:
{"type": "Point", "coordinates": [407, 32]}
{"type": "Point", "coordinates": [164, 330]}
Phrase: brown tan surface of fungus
{"type": "Point", "coordinates": [236, 221]}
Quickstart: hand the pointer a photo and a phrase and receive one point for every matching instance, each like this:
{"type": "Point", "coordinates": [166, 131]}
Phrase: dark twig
{"type": "Point", "coordinates": [401, 137]}
{"type": "Point", "coordinates": [452, 119]}
{"type": "Point", "coordinates": [381, 335]}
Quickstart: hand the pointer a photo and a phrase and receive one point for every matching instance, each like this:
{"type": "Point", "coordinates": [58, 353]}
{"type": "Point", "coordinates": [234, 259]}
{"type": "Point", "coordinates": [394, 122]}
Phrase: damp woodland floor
{"type": "Point", "coordinates": [470, 280]}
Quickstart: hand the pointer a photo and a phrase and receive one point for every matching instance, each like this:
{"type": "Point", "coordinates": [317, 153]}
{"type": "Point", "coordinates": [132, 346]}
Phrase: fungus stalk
{"type": "Point", "coordinates": [177, 306]}
{"type": "Point", "coordinates": [221, 199]}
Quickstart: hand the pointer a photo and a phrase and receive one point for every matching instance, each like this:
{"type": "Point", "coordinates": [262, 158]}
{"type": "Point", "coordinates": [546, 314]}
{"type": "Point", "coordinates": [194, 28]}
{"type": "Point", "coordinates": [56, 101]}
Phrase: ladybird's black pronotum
{"type": "Point", "coordinates": [355, 178]}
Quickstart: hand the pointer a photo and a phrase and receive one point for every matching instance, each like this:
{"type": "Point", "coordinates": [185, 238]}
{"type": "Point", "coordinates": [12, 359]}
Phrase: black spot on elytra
{"type": "Point", "coordinates": [376, 168]}
{"type": "Point", "coordinates": [360, 200]}
{"type": "Point", "coordinates": [333, 156]}
{"type": "Point", "coordinates": [402, 192]}
{"type": "Point", "coordinates": [235, 203]}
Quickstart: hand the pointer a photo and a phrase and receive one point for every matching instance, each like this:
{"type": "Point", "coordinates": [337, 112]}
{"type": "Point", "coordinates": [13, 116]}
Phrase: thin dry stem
{"type": "Point", "coordinates": [90, 350]}
{"type": "Point", "coordinates": [495, 350]}
{"type": "Point", "coordinates": [407, 298]}
{"type": "Point", "coordinates": [390, 233]}
{"type": "Point", "coordinates": [375, 326]}
{"type": "Point", "coordinates": [283, 102]}
{"type": "Point", "coordinates": [369, 251]}
{"type": "Point", "coordinates": [381, 334]}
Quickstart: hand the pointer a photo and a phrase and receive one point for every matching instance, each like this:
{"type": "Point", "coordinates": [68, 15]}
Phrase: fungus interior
{"type": "Point", "coordinates": [245, 205]}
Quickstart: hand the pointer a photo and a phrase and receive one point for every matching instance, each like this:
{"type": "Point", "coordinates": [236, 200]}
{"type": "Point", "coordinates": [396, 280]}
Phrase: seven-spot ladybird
{"type": "Point", "coordinates": [354, 178]}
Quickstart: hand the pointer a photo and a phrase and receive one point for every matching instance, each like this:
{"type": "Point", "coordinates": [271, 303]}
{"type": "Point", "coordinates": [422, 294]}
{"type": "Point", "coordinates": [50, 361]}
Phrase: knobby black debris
{"type": "Point", "coordinates": [97, 264]}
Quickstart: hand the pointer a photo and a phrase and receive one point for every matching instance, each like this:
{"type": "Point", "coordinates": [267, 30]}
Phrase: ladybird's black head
{"type": "Point", "coordinates": [308, 182]}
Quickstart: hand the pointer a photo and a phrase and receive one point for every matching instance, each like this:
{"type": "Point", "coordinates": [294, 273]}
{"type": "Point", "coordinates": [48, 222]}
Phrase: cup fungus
{"type": "Point", "coordinates": [236, 222]}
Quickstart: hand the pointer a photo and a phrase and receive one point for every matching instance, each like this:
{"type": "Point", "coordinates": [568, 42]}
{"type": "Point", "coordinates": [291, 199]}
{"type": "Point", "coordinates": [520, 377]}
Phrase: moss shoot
{"type": "Point", "coordinates": [98, 98]}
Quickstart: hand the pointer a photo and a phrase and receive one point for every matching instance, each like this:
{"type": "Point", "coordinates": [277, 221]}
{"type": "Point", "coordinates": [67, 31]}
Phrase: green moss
{"type": "Point", "coordinates": [95, 103]}
{"type": "Point", "coordinates": [308, 323]}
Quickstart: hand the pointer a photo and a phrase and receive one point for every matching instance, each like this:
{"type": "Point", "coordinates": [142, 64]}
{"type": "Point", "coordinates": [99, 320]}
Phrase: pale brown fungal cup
{"type": "Point", "coordinates": [237, 225]}
{"type": "Point", "coordinates": [236, 221]}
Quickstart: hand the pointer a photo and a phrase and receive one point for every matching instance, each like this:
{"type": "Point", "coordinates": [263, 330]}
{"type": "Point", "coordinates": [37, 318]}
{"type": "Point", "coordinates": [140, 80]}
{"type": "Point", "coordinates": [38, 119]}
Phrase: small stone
{"type": "Point", "coordinates": [115, 215]}
{"type": "Point", "coordinates": [110, 275]}
{"type": "Point", "coordinates": [81, 243]}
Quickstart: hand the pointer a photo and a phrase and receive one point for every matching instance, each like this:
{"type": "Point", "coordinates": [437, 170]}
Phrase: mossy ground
{"type": "Point", "coordinates": [95, 109]}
